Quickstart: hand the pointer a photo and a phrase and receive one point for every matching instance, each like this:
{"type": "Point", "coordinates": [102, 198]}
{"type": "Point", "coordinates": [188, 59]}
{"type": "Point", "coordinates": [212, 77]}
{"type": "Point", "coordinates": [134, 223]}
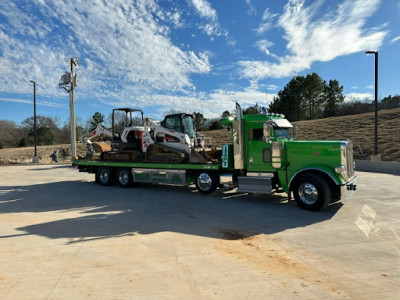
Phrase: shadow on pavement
{"type": "Point", "coordinates": [88, 211]}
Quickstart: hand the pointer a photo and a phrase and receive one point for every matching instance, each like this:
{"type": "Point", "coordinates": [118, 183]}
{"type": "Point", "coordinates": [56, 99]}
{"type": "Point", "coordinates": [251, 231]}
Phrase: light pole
{"type": "Point", "coordinates": [376, 155]}
{"type": "Point", "coordinates": [35, 158]}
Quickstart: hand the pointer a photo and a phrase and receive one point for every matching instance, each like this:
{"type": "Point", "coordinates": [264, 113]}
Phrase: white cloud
{"type": "Point", "coordinates": [39, 102]}
{"type": "Point", "coordinates": [121, 44]}
{"type": "Point", "coordinates": [268, 20]}
{"type": "Point", "coordinates": [370, 87]}
{"type": "Point", "coordinates": [272, 87]}
{"type": "Point", "coordinates": [395, 39]}
{"type": "Point", "coordinates": [205, 10]}
{"type": "Point", "coordinates": [212, 27]}
{"type": "Point", "coordinates": [211, 105]}
{"type": "Point", "coordinates": [358, 96]}
{"type": "Point", "coordinates": [312, 37]}
{"type": "Point", "coordinates": [264, 46]}
{"type": "Point", "coordinates": [252, 10]}
{"type": "Point", "coordinates": [16, 100]}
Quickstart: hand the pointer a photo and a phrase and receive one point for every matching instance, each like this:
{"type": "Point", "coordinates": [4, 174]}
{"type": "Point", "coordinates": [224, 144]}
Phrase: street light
{"type": "Point", "coordinates": [35, 158]}
{"type": "Point", "coordinates": [376, 156]}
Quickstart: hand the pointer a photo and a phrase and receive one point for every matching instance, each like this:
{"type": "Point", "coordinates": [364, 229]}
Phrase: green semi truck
{"type": "Point", "coordinates": [263, 158]}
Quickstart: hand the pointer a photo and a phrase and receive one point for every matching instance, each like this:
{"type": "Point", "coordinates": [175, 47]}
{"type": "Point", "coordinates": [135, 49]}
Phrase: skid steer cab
{"type": "Point", "coordinates": [173, 140]}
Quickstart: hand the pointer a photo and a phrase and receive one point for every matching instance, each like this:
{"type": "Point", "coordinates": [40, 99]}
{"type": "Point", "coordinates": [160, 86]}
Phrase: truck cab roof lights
{"type": "Point", "coordinates": [275, 115]}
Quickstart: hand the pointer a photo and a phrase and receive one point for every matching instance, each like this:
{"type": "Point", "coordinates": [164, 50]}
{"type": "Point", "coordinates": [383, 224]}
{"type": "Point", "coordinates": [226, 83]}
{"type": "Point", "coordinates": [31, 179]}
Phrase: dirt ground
{"type": "Point", "coordinates": [24, 155]}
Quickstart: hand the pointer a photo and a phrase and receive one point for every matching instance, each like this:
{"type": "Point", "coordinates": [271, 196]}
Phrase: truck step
{"type": "Point", "coordinates": [253, 184]}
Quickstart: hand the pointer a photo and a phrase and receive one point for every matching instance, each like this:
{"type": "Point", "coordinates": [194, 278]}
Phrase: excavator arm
{"type": "Point", "coordinates": [100, 130]}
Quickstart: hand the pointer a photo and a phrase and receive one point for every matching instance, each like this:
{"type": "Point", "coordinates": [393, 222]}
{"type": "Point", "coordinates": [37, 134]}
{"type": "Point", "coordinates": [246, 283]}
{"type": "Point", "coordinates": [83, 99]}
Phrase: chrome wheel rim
{"type": "Point", "coordinates": [204, 181]}
{"type": "Point", "coordinates": [104, 177]}
{"type": "Point", "coordinates": [308, 193]}
{"type": "Point", "coordinates": [123, 177]}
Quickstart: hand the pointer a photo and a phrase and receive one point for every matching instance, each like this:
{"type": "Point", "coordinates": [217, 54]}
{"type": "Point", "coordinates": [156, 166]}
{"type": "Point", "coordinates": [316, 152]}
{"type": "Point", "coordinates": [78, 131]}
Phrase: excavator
{"type": "Point", "coordinates": [124, 136]}
{"type": "Point", "coordinates": [173, 140]}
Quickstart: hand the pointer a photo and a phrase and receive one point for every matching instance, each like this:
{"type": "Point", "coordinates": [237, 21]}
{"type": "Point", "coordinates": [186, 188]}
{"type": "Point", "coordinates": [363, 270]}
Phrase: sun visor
{"type": "Point", "coordinates": [283, 123]}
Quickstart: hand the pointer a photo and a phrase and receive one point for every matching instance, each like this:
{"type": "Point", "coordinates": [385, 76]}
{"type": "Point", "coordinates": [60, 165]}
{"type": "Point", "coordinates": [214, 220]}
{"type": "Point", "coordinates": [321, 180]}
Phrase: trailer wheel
{"type": "Point", "coordinates": [105, 176]}
{"type": "Point", "coordinates": [124, 177]}
{"type": "Point", "coordinates": [206, 182]}
{"type": "Point", "coordinates": [311, 192]}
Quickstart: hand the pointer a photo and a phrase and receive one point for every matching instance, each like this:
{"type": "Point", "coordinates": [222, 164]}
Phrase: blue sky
{"type": "Point", "coordinates": [189, 55]}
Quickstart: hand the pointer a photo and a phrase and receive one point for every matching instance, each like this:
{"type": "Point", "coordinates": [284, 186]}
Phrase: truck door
{"type": "Point", "coordinates": [258, 148]}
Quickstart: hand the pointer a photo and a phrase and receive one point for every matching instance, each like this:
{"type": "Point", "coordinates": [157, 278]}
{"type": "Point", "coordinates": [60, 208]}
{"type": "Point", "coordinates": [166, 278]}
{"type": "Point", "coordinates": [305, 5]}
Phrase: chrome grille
{"type": "Point", "coordinates": [349, 159]}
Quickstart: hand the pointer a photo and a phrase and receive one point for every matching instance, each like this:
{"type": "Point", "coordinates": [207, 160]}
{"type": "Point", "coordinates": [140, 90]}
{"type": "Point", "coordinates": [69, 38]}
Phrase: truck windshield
{"type": "Point", "coordinates": [188, 124]}
{"type": "Point", "coordinates": [282, 133]}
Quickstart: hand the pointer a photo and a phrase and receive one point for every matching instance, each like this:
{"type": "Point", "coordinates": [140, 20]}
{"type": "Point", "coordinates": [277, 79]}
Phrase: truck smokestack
{"type": "Point", "coordinates": [238, 149]}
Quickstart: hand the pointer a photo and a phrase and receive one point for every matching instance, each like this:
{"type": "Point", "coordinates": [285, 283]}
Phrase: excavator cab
{"type": "Point", "coordinates": [123, 134]}
{"type": "Point", "coordinates": [125, 128]}
{"type": "Point", "coordinates": [122, 119]}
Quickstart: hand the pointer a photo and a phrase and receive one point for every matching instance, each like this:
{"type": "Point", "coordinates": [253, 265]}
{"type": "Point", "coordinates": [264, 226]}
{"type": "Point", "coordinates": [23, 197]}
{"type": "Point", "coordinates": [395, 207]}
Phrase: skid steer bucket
{"type": "Point", "coordinates": [196, 157]}
{"type": "Point", "coordinates": [101, 147]}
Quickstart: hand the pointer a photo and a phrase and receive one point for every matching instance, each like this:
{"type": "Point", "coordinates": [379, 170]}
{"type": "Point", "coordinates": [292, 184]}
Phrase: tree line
{"type": "Point", "coordinates": [48, 132]}
{"type": "Point", "coordinates": [310, 97]}
{"type": "Point", "coordinates": [303, 98]}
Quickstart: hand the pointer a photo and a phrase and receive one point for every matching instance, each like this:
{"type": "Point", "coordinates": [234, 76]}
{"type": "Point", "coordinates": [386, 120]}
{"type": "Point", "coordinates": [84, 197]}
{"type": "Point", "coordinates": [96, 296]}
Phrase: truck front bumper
{"type": "Point", "coordinates": [347, 190]}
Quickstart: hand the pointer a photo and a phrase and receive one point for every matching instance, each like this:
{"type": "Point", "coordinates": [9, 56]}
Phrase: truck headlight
{"type": "Point", "coordinates": [341, 170]}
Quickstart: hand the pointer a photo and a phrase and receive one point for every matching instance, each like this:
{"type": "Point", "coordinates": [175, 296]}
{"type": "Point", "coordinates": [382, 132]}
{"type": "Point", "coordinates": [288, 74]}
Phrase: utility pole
{"type": "Point", "coordinates": [72, 111]}
{"type": "Point", "coordinates": [68, 82]}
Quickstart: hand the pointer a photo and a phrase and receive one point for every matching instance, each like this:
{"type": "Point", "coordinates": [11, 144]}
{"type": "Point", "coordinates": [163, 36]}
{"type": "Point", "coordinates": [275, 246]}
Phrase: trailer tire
{"type": "Point", "coordinates": [311, 192]}
{"type": "Point", "coordinates": [124, 177]}
{"type": "Point", "coordinates": [206, 182]}
{"type": "Point", "coordinates": [105, 176]}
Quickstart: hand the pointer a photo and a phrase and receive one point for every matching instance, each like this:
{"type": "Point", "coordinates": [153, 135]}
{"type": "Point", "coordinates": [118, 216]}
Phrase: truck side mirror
{"type": "Point", "coordinates": [266, 133]}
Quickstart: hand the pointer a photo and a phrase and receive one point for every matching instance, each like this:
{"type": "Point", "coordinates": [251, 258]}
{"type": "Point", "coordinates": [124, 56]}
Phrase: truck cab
{"type": "Point", "coordinates": [267, 159]}
{"type": "Point", "coordinates": [264, 136]}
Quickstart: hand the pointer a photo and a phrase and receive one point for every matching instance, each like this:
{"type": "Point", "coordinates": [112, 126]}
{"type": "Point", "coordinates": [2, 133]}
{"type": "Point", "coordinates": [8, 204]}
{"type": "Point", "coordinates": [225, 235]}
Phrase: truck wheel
{"type": "Point", "coordinates": [206, 182]}
{"type": "Point", "coordinates": [124, 177]}
{"type": "Point", "coordinates": [311, 192]}
{"type": "Point", "coordinates": [105, 176]}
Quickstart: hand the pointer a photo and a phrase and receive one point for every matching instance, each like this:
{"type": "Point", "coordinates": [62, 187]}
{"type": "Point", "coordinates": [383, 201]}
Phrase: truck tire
{"type": "Point", "coordinates": [105, 176]}
{"type": "Point", "coordinates": [311, 192]}
{"type": "Point", "coordinates": [124, 177]}
{"type": "Point", "coordinates": [206, 182]}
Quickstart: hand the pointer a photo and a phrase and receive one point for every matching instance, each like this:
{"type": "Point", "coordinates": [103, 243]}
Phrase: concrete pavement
{"type": "Point", "coordinates": [62, 236]}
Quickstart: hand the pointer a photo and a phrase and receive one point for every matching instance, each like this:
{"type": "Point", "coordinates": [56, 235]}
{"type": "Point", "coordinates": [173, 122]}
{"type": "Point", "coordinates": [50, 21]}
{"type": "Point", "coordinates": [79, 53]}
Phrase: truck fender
{"type": "Point", "coordinates": [313, 170]}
